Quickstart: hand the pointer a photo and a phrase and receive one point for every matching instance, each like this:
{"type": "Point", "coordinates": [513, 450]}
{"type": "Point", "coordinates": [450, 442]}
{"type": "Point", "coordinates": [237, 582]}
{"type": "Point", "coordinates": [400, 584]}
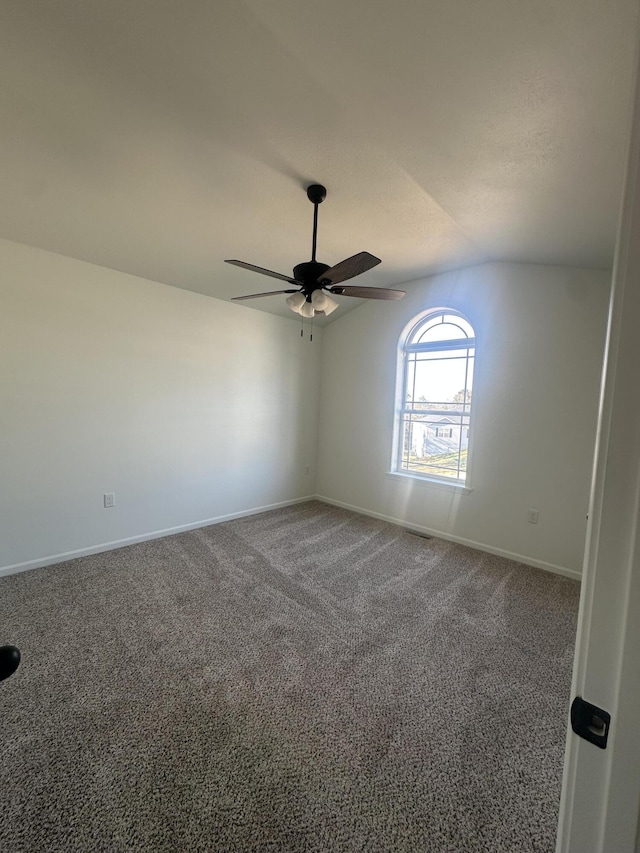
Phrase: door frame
{"type": "Point", "coordinates": [600, 802]}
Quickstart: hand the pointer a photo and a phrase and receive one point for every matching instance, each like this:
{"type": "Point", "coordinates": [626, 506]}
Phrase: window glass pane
{"type": "Point", "coordinates": [441, 381]}
{"type": "Point", "coordinates": [410, 373]}
{"type": "Point", "coordinates": [435, 444]}
{"type": "Point", "coordinates": [444, 327]}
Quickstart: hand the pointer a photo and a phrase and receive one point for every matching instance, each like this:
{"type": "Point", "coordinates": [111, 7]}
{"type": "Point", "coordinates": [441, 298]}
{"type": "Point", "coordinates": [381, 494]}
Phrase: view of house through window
{"type": "Point", "coordinates": [434, 402]}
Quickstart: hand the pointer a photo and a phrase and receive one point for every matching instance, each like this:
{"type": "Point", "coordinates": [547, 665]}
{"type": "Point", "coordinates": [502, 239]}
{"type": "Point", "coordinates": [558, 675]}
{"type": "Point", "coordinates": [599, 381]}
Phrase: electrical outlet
{"type": "Point", "coordinates": [533, 515]}
{"type": "Point", "coordinates": [307, 470]}
{"type": "Point", "coordinates": [109, 499]}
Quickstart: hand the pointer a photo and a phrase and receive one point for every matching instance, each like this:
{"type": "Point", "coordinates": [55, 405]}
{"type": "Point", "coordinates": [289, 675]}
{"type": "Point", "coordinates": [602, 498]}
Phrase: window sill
{"type": "Point", "coordinates": [432, 484]}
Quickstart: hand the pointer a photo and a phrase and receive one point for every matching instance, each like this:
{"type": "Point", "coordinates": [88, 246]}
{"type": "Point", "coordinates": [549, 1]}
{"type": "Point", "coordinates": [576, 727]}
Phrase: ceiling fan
{"type": "Point", "coordinates": [314, 281]}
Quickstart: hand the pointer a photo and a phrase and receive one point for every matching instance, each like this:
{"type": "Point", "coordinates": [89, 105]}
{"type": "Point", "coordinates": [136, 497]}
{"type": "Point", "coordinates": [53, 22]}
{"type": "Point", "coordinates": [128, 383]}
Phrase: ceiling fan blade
{"type": "Point", "coordinates": [263, 271]}
{"type": "Point", "coordinates": [256, 295]}
{"type": "Point", "coordinates": [367, 292]}
{"type": "Point", "coordinates": [349, 268]}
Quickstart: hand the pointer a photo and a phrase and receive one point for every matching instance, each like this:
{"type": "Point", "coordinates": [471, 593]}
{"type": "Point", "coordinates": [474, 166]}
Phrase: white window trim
{"type": "Point", "coordinates": [395, 472]}
{"type": "Point", "coordinates": [445, 484]}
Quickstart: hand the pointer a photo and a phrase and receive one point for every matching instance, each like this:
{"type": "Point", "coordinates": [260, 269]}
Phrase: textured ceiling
{"type": "Point", "coordinates": [159, 138]}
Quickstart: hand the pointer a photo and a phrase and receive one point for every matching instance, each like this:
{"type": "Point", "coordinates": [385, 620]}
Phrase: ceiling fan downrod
{"type": "Point", "coordinates": [316, 194]}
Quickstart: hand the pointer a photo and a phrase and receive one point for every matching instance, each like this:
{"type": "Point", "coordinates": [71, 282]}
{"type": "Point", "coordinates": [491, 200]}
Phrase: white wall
{"type": "Point", "coordinates": [188, 408]}
{"type": "Point", "coordinates": [540, 338]}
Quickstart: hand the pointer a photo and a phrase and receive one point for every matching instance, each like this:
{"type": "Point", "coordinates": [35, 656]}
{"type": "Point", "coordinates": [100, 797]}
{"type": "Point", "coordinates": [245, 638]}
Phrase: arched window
{"type": "Point", "coordinates": [435, 383]}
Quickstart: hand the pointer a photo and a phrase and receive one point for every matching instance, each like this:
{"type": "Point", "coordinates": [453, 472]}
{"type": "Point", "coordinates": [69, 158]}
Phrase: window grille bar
{"type": "Point", "coordinates": [435, 346]}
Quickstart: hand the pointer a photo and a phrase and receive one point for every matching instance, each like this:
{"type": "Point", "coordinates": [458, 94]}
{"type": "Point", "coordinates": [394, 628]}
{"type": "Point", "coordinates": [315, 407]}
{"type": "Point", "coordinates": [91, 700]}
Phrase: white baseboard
{"type": "Point", "coordinates": [144, 537]}
{"type": "Point", "coordinates": [52, 559]}
{"type": "Point", "coordinates": [479, 546]}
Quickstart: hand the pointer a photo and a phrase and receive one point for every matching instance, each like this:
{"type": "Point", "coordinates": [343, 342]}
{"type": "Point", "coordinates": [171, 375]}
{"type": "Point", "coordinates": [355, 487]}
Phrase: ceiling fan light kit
{"type": "Point", "coordinates": [330, 306]}
{"type": "Point", "coordinates": [295, 302]}
{"type": "Point", "coordinates": [322, 302]}
{"type": "Point", "coordinates": [319, 300]}
{"type": "Point", "coordinates": [306, 310]}
{"type": "Point", "coordinates": [316, 280]}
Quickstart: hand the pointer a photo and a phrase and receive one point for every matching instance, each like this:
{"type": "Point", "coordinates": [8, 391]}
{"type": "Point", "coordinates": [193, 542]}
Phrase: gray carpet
{"type": "Point", "coordinates": [303, 680]}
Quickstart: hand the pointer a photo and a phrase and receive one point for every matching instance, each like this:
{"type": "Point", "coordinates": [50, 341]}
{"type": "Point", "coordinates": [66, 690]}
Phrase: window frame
{"type": "Point", "coordinates": [405, 349]}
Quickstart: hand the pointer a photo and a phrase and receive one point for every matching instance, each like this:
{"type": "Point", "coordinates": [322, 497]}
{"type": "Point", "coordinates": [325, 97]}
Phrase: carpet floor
{"type": "Point", "coordinates": [307, 679]}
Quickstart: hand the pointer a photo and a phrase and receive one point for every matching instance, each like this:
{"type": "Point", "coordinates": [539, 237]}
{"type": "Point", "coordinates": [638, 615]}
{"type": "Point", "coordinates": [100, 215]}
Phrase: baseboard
{"type": "Point", "coordinates": [459, 540]}
{"type": "Point", "coordinates": [144, 537]}
{"type": "Point", "coordinates": [52, 559]}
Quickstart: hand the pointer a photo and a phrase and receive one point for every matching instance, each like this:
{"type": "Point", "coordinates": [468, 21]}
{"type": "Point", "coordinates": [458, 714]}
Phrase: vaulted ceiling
{"type": "Point", "coordinates": [159, 138]}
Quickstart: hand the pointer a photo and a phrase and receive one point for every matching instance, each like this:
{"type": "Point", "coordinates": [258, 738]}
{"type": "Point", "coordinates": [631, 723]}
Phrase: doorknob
{"type": "Point", "coordinates": [9, 661]}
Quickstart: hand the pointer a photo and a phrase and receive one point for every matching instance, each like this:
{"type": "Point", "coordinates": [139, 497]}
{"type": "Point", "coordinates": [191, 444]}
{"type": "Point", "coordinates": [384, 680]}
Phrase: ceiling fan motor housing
{"type": "Point", "coordinates": [308, 274]}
